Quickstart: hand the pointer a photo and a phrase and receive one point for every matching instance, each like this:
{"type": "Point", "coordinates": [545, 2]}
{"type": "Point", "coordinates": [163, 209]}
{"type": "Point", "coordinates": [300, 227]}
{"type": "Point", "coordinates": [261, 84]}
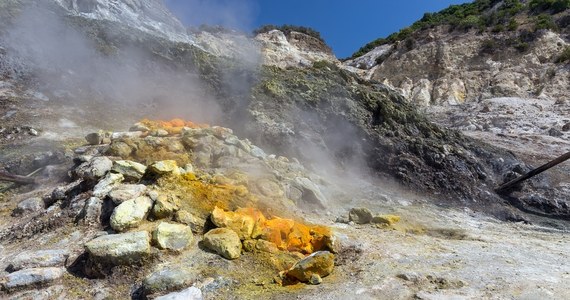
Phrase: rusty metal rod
{"type": "Point", "coordinates": [534, 172]}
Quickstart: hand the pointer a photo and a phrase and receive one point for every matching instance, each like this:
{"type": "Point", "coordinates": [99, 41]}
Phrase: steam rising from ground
{"type": "Point", "coordinates": [67, 62]}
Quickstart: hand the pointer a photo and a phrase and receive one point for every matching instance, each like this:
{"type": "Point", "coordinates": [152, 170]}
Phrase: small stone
{"type": "Point", "coordinates": [224, 242]}
{"type": "Point", "coordinates": [191, 293]}
{"type": "Point", "coordinates": [168, 279]}
{"type": "Point", "coordinates": [94, 138]}
{"type": "Point", "coordinates": [91, 213]}
{"type": "Point", "coordinates": [33, 132]}
{"type": "Point", "coordinates": [266, 246]}
{"type": "Point", "coordinates": [320, 263]}
{"type": "Point", "coordinates": [172, 236]}
{"type": "Point", "coordinates": [159, 133]}
{"type": "Point", "coordinates": [132, 171]}
{"type": "Point", "coordinates": [185, 217]}
{"type": "Point", "coordinates": [360, 215]}
{"type": "Point", "coordinates": [31, 277]}
{"type": "Point", "coordinates": [386, 219]}
{"type": "Point", "coordinates": [249, 245]}
{"type": "Point", "coordinates": [139, 127]}
{"type": "Point", "coordinates": [130, 213]}
{"type": "Point", "coordinates": [119, 249]}
{"type": "Point", "coordinates": [120, 149]}
{"type": "Point", "coordinates": [566, 127]}
{"type": "Point", "coordinates": [94, 169]}
{"type": "Point", "coordinates": [342, 219]}
{"type": "Point", "coordinates": [555, 132]}
{"type": "Point", "coordinates": [165, 206]}
{"type": "Point", "coordinates": [164, 167]}
{"type": "Point", "coordinates": [126, 135]}
{"type": "Point", "coordinates": [124, 192]}
{"type": "Point", "coordinates": [105, 186]}
{"type": "Point", "coordinates": [30, 205]}
{"type": "Point", "coordinates": [315, 279]}
{"type": "Point", "coordinates": [38, 259]}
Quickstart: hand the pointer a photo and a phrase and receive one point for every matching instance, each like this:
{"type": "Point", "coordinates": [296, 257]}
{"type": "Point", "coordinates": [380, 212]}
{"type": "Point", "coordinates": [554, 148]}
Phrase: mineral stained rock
{"type": "Point", "coordinates": [320, 263]}
{"type": "Point", "coordinates": [223, 241]}
{"type": "Point", "coordinates": [119, 249]}
{"type": "Point", "coordinates": [172, 236]}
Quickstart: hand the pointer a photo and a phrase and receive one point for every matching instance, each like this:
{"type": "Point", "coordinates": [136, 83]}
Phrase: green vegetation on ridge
{"type": "Point", "coordinates": [492, 15]}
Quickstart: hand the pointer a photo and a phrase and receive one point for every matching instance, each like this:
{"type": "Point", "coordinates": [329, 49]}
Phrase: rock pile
{"type": "Point", "coordinates": [166, 184]}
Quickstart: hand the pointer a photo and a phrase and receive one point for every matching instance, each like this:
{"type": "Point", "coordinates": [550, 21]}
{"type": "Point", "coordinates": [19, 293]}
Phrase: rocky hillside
{"type": "Point", "coordinates": [324, 177]}
{"type": "Point", "coordinates": [475, 51]}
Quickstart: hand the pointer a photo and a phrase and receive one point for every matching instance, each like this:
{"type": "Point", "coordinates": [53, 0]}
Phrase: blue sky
{"type": "Point", "coordinates": [345, 25]}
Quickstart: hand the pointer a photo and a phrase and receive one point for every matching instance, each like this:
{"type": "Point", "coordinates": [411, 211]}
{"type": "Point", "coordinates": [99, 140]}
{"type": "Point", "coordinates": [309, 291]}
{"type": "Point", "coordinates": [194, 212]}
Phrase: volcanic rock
{"type": "Point", "coordinates": [165, 206]}
{"type": "Point", "coordinates": [124, 192]}
{"type": "Point", "coordinates": [224, 242]}
{"type": "Point", "coordinates": [94, 169]}
{"type": "Point", "coordinates": [31, 278]}
{"type": "Point", "coordinates": [132, 171]}
{"type": "Point", "coordinates": [119, 249]}
{"type": "Point", "coordinates": [168, 279]}
{"type": "Point", "coordinates": [360, 215]}
{"type": "Point", "coordinates": [386, 219]}
{"type": "Point", "coordinates": [29, 206]}
{"type": "Point", "coordinates": [191, 293]}
{"type": "Point", "coordinates": [130, 213]}
{"type": "Point", "coordinates": [38, 259]}
{"type": "Point", "coordinates": [104, 186]}
{"type": "Point", "coordinates": [94, 138]}
{"type": "Point", "coordinates": [320, 263]}
{"type": "Point", "coordinates": [240, 223]}
{"type": "Point", "coordinates": [172, 236]}
{"type": "Point", "coordinates": [164, 167]}
{"type": "Point", "coordinates": [185, 217]}
{"type": "Point", "coordinates": [91, 213]}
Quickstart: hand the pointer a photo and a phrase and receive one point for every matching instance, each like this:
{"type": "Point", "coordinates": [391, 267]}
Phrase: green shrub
{"type": "Point", "coordinates": [564, 56]}
{"type": "Point", "coordinates": [544, 21]}
{"type": "Point", "coordinates": [489, 47]}
{"type": "Point", "coordinates": [552, 6]}
{"type": "Point", "coordinates": [521, 46]}
{"type": "Point", "coordinates": [513, 25]}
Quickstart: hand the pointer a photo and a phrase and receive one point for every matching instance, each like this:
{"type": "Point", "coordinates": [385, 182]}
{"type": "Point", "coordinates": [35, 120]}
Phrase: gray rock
{"type": "Point", "coordinates": [167, 279]}
{"type": "Point", "coordinates": [29, 206]}
{"type": "Point", "coordinates": [126, 135]}
{"type": "Point", "coordinates": [91, 213]}
{"type": "Point", "coordinates": [38, 259]}
{"type": "Point", "coordinates": [185, 217]}
{"type": "Point", "coordinates": [124, 192]}
{"type": "Point", "coordinates": [311, 192]}
{"type": "Point", "coordinates": [130, 213]}
{"type": "Point", "coordinates": [62, 192]}
{"type": "Point", "coordinates": [172, 236]}
{"type": "Point", "coordinates": [120, 149]}
{"type": "Point", "coordinates": [119, 249]}
{"type": "Point", "coordinates": [132, 171]}
{"type": "Point", "coordinates": [191, 293]}
{"type": "Point", "coordinates": [360, 215]}
{"type": "Point", "coordinates": [95, 138]}
{"type": "Point", "coordinates": [104, 186]}
{"type": "Point", "coordinates": [555, 132]}
{"type": "Point", "coordinates": [31, 278]}
{"type": "Point", "coordinates": [94, 169]}
{"type": "Point", "coordinates": [224, 242]}
{"type": "Point", "coordinates": [139, 127]}
{"type": "Point", "coordinates": [257, 152]}
{"type": "Point", "coordinates": [566, 127]}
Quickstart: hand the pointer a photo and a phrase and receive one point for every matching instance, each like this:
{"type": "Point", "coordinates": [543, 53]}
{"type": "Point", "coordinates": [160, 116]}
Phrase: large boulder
{"type": "Point", "coordinates": [119, 249]}
{"type": "Point", "coordinates": [313, 267]}
{"type": "Point", "coordinates": [224, 242]}
{"type": "Point", "coordinates": [172, 236]}
{"type": "Point", "coordinates": [31, 278]}
{"type": "Point", "coordinates": [130, 213]}
{"type": "Point", "coordinates": [40, 258]}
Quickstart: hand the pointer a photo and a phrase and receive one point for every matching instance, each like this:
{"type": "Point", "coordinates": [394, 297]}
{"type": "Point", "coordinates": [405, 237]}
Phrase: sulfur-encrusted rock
{"type": "Point", "coordinates": [320, 263]}
{"type": "Point", "coordinates": [165, 206]}
{"type": "Point", "coordinates": [104, 186]}
{"type": "Point", "coordinates": [386, 219]}
{"type": "Point", "coordinates": [130, 213]}
{"type": "Point", "coordinates": [31, 278]}
{"type": "Point", "coordinates": [168, 279]}
{"type": "Point", "coordinates": [172, 236]}
{"type": "Point", "coordinates": [119, 249]}
{"type": "Point", "coordinates": [95, 168]}
{"type": "Point", "coordinates": [132, 171]}
{"type": "Point", "coordinates": [224, 242]}
{"type": "Point", "coordinates": [360, 215]}
{"type": "Point", "coordinates": [164, 167]}
{"type": "Point", "coordinates": [242, 224]}
{"type": "Point", "coordinates": [191, 293]}
{"type": "Point", "coordinates": [123, 192]}
{"type": "Point", "coordinates": [37, 259]}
